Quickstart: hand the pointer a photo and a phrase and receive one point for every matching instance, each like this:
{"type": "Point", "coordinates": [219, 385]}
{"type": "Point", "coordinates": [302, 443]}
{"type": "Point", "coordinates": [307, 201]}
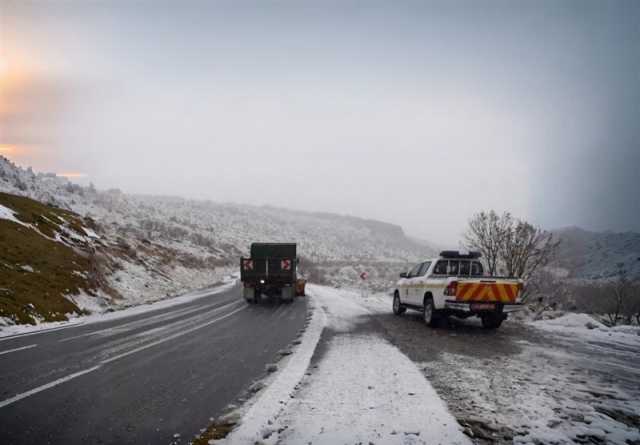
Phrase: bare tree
{"type": "Point", "coordinates": [525, 251]}
{"type": "Point", "coordinates": [486, 234]}
{"type": "Point", "coordinates": [513, 244]}
{"type": "Point", "coordinates": [619, 297]}
{"type": "Point", "coordinates": [634, 306]}
{"type": "Point", "coordinates": [552, 290]}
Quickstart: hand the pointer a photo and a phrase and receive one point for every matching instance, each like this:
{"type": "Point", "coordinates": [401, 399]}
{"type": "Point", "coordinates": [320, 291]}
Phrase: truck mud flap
{"type": "Point", "coordinates": [287, 294]}
{"type": "Point", "coordinates": [249, 293]}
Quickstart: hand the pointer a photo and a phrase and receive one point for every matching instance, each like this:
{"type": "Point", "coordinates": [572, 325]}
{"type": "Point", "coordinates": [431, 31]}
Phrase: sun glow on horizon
{"type": "Point", "coordinates": [11, 150]}
{"type": "Point", "coordinates": [72, 175]}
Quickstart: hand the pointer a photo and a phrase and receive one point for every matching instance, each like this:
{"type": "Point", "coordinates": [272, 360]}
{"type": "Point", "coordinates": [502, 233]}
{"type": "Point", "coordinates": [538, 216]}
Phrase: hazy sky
{"type": "Point", "coordinates": [417, 113]}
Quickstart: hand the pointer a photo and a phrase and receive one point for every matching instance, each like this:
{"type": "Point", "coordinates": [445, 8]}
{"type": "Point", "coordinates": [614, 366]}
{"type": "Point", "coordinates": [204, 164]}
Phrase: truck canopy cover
{"type": "Point", "coordinates": [457, 255]}
{"type": "Point", "coordinates": [273, 250]}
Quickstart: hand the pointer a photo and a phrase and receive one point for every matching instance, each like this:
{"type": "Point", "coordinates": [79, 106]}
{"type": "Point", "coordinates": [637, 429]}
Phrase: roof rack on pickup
{"type": "Point", "coordinates": [457, 254]}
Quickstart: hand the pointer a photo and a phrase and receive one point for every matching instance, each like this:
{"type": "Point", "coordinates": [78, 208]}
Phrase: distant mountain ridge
{"type": "Point", "coordinates": [596, 255]}
{"type": "Point", "coordinates": [224, 231]}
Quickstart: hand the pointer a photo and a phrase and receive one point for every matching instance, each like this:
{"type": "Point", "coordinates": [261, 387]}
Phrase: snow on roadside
{"type": "Point", "coordinates": [19, 330]}
{"type": "Point", "coordinates": [258, 419]}
{"type": "Point", "coordinates": [364, 389]}
{"type": "Point", "coordinates": [585, 328]}
{"type": "Point", "coordinates": [540, 395]}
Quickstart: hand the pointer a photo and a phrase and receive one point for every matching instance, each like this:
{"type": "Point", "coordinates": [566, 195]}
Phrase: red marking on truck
{"type": "Point", "coordinates": [495, 292]}
{"type": "Point", "coordinates": [247, 264]}
{"type": "Point", "coordinates": [285, 264]}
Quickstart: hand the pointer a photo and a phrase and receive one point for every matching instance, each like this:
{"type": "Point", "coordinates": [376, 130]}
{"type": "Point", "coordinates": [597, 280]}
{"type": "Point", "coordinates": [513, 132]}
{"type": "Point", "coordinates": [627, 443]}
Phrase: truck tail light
{"type": "Point", "coordinates": [247, 264]}
{"type": "Point", "coordinates": [451, 289]}
{"type": "Point", "coordinates": [285, 264]}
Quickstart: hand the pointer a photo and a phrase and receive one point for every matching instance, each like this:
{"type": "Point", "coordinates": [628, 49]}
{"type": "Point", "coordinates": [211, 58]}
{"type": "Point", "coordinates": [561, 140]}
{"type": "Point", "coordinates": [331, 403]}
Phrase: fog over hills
{"type": "Point", "coordinates": [189, 243]}
{"type": "Point", "coordinates": [221, 230]}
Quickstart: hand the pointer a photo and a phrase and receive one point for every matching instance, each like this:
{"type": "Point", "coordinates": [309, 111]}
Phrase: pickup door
{"type": "Point", "coordinates": [418, 284]}
{"type": "Point", "coordinates": [408, 285]}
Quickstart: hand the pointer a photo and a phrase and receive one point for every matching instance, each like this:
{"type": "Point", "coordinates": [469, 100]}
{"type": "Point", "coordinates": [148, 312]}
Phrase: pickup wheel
{"type": "Point", "coordinates": [429, 312]}
{"type": "Point", "coordinates": [398, 307]}
{"type": "Point", "coordinates": [492, 321]}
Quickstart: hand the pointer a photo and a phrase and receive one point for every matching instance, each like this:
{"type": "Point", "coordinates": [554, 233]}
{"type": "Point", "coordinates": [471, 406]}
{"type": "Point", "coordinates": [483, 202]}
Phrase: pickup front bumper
{"type": "Point", "coordinates": [483, 306]}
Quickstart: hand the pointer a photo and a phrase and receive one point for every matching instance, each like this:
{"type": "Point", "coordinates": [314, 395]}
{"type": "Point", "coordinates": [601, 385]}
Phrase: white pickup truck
{"type": "Point", "coordinates": [454, 284]}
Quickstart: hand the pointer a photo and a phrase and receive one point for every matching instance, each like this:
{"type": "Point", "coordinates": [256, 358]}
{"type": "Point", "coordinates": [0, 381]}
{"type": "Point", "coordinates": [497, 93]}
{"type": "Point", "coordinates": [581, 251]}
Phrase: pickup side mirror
{"type": "Point", "coordinates": [403, 275]}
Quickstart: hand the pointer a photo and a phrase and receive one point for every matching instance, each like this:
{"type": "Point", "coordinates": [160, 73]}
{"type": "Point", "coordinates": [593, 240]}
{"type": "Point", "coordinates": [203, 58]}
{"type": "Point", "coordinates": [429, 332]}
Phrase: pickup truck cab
{"type": "Point", "coordinates": [455, 284]}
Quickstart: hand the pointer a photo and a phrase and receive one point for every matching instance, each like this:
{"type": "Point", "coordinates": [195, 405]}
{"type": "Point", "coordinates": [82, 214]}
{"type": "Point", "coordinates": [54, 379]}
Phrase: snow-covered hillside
{"type": "Point", "coordinates": [154, 246]}
{"type": "Point", "coordinates": [220, 230]}
{"type": "Point", "coordinates": [589, 255]}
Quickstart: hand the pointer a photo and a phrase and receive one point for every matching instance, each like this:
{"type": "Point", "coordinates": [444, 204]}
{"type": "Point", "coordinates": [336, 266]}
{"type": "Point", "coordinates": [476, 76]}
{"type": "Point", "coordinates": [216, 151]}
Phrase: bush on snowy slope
{"type": "Point", "coordinates": [47, 255]}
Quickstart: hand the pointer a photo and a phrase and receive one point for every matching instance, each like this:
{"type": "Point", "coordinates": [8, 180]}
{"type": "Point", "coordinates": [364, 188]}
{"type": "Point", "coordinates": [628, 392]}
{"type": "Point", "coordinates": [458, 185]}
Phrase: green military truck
{"type": "Point", "coordinates": [271, 271]}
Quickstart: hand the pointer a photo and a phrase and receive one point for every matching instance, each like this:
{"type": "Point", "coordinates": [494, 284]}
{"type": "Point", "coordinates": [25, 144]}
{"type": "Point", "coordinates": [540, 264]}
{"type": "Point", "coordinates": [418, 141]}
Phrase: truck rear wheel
{"type": "Point", "coordinates": [492, 321]}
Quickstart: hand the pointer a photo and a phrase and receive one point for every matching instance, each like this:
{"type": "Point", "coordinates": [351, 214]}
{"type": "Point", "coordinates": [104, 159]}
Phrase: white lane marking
{"type": "Point", "coordinates": [135, 324]}
{"type": "Point", "coordinates": [33, 391]}
{"type": "Point", "coordinates": [8, 351]}
{"type": "Point", "coordinates": [172, 327]}
{"type": "Point", "coordinates": [41, 331]}
{"type": "Point", "coordinates": [171, 337]}
{"type": "Point", "coordinates": [132, 311]}
{"type": "Point", "coordinates": [112, 359]}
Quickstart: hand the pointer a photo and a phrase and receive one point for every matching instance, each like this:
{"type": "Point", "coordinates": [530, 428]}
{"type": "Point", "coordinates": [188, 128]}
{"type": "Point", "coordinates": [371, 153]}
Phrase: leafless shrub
{"type": "Point", "coordinates": [621, 299]}
{"type": "Point", "coordinates": [486, 233]}
{"type": "Point", "coordinates": [511, 245]}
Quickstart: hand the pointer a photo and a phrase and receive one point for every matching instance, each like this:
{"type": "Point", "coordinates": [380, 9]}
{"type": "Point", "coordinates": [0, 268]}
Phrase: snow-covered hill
{"type": "Point", "coordinates": [586, 255]}
{"type": "Point", "coordinates": [220, 230]}
{"type": "Point", "coordinates": [156, 245]}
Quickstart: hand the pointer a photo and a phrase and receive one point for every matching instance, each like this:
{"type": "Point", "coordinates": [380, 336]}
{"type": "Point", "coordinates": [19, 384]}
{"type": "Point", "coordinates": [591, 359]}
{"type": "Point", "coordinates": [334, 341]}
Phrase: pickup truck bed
{"type": "Point", "coordinates": [454, 284]}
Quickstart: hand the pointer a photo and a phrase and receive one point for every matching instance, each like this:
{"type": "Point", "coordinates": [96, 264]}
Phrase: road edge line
{"type": "Point", "coordinates": [270, 402]}
{"type": "Point", "coordinates": [46, 386]}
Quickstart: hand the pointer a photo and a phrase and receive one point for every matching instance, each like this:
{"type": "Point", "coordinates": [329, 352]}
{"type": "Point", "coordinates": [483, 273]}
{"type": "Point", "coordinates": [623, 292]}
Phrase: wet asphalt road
{"type": "Point", "coordinates": [140, 379]}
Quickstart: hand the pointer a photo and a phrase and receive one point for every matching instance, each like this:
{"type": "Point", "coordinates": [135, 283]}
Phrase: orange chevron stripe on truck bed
{"type": "Point", "coordinates": [499, 292]}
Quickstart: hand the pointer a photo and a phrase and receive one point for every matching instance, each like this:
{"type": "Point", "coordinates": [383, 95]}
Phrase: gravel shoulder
{"type": "Point", "coordinates": [521, 384]}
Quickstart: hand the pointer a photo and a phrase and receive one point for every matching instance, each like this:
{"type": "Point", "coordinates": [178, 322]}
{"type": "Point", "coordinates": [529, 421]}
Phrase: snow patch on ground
{"type": "Point", "coordinates": [10, 215]}
{"type": "Point", "coordinates": [572, 321]}
{"type": "Point", "coordinates": [541, 396]}
{"type": "Point", "coordinates": [94, 304]}
{"type": "Point", "coordinates": [585, 328]}
{"type": "Point", "coordinates": [363, 390]}
{"type": "Point", "coordinates": [366, 391]}
{"type": "Point", "coordinates": [342, 306]}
